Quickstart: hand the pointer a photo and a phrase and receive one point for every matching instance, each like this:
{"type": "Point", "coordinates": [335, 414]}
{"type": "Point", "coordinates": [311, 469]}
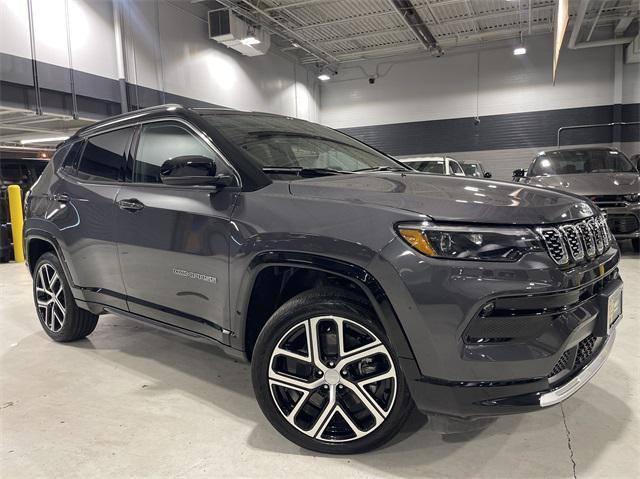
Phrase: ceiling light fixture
{"type": "Point", "coordinates": [248, 41]}
{"type": "Point", "coordinates": [519, 50]}
{"type": "Point", "coordinates": [324, 77]}
{"type": "Point", "coordinates": [44, 140]}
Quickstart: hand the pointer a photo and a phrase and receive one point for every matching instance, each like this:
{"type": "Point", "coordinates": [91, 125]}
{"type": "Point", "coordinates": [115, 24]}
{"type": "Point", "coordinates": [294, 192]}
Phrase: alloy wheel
{"type": "Point", "coordinates": [50, 297]}
{"type": "Point", "coordinates": [332, 379]}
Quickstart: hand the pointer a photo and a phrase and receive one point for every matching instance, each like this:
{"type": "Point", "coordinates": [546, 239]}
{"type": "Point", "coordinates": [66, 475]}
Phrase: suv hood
{"type": "Point", "coordinates": [448, 198]}
{"type": "Point", "coordinates": [592, 184]}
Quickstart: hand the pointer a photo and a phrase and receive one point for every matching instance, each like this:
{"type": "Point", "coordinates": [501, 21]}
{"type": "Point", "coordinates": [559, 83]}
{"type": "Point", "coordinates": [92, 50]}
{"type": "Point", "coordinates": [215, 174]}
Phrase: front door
{"type": "Point", "coordinates": [173, 242]}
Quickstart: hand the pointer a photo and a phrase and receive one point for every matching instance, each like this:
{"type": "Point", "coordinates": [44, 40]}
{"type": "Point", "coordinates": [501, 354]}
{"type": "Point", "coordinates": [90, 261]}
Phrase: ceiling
{"type": "Point", "coordinates": [17, 125]}
{"type": "Point", "coordinates": [338, 31]}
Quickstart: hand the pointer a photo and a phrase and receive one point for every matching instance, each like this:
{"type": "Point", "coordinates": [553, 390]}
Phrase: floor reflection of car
{"type": "Point", "coordinates": [475, 169]}
{"type": "Point", "coordinates": [437, 165]}
{"type": "Point", "coordinates": [14, 171]}
{"type": "Point", "coordinates": [604, 175]}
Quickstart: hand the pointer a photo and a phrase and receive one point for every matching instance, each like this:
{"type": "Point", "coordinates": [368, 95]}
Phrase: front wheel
{"type": "Point", "coordinates": [326, 376]}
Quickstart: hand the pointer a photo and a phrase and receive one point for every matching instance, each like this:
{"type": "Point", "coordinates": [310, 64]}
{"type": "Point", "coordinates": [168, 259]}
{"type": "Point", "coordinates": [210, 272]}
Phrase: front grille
{"type": "Point", "coordinates": [585, 350]}
{"type": "Point", "coordinates": [561, 365]}
{"type": "Point", "coordinates": [609, 201]}
{"type": "Point", "coordinates": [572, 242]}
{"type": "Point", "coordinates": [575, 358]}
{"type": "Point", "coordinates": [622, 224]}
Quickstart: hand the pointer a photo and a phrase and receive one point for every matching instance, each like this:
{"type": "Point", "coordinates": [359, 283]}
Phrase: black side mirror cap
{"type": "Point", "coordinates": [519, 173]}
{"type": "Point", "coordinates": [487, 174]}
{"type": "Point", "coordinates": [192, 170]}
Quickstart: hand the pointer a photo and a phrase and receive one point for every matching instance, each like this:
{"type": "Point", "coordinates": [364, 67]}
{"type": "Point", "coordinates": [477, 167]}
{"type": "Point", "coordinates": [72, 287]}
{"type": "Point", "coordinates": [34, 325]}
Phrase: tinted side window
{"type": "Point", "coordinates": [70, 164]}
{"type": "Point", "coordinates": [160, 142]}
{"type": "Point", "coordinates": [455, 168]}
{"type": "Point", "coordinates": [103, 156]}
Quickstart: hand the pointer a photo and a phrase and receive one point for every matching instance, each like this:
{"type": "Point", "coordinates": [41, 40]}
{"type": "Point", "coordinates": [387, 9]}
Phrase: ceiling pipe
{"type": "Point", "coordinates": [417, 25]}
{"type": "Point", "coordinates": [577, 25]}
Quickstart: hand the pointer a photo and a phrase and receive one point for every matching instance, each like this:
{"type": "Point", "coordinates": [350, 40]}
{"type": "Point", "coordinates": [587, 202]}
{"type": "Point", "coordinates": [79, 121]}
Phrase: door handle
{"type": "Point", "coordinates": [131, 204]}
{"type": "Point", "coordinates": [61, 197]}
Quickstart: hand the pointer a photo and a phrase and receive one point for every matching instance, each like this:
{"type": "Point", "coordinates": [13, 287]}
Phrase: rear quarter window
{"type": "Point", "coordinates": [103, 157]}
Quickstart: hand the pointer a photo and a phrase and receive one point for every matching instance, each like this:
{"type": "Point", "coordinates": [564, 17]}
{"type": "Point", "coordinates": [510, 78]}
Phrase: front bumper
{"type": "Point", "coordinates": [486, 399]}
{"type": "Point", "coordinates": [515, 358]}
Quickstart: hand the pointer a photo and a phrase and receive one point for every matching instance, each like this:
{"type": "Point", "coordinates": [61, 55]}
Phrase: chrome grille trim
{"type": "Point", "coordinates": [576, 241]}
{"type": "Point", "coordinates": [588, 239]}
{"type": "Point", "coordinates": [602, 222]}
{"type": "Point", "coordinates": [597, 233]}
{"type": "Point", "coordinates": [573, 241]}
{"type": "Point", "coordinates": [555, 244]}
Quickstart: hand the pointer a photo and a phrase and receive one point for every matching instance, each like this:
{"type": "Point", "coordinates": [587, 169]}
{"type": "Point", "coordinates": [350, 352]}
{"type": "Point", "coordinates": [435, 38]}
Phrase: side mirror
{"type": "Point", "coordinates": [192, 170]}
{"type": "Point", "coordinates": [487, 174]}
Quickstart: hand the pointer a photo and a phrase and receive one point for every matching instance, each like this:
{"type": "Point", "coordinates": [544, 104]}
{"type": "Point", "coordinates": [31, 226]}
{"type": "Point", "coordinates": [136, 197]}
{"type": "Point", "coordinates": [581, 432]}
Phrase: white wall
{"type": "Point", "coordinates": [158, 33]}
{"type": "Point", "coordinates": [450, 87]}
{"type": "Point", "coordinates": [91, 33]}
{"type": "Point", "coordinates": [191, 65]}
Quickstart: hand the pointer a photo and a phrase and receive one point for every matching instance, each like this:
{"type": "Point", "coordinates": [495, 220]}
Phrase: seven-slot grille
{"type": "Point", "coordinates": [573, 242]}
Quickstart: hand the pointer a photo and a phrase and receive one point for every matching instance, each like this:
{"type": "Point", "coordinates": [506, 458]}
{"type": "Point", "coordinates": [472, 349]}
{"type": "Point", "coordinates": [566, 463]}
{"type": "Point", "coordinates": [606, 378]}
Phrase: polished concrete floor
{"type": "Point", "coordinates": [131, 401]}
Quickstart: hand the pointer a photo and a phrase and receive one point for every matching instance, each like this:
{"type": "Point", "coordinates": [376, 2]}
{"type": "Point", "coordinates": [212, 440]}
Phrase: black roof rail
{"type": "Point", "coordinates": [129, 115]}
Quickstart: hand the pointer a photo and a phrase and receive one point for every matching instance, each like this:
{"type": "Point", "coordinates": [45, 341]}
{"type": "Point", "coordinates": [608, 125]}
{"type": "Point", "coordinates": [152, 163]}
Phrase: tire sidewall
{"type": "Point", "coordinates": [282, 321]}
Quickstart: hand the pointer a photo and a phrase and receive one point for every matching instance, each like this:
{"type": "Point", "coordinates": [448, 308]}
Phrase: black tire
{"type": "Point", "coordinates": [635, 243]}
{"type": "Point", "coordinates": [76, 323]}
{"type": "Point", "coordinates": [291, 315]}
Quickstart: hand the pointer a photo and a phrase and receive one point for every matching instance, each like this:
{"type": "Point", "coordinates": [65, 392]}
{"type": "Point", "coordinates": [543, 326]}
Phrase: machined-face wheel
{"type": "Point", "coordinates": [50, 299]}
{"type": "Point", "coordinates": [332, 379]}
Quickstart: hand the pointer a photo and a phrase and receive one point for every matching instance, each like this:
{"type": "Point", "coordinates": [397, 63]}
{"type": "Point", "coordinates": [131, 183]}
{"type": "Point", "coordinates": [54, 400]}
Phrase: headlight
{"type": "Point", "coordinates": [635, 198]}
{"type": "Point", "coordinates": [470, 242]}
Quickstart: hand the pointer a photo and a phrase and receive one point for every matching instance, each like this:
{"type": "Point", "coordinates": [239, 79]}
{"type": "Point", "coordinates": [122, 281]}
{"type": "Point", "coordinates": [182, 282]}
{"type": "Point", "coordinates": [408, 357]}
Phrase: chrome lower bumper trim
{"type": "Point", "coordinates": [563, 392]}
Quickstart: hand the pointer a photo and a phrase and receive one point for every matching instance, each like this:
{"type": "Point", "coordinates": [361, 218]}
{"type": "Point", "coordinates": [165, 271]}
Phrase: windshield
{"type": "Point", "coordinates": [276, 144]}
{"type": "Point", "coordinates": [571, 162]}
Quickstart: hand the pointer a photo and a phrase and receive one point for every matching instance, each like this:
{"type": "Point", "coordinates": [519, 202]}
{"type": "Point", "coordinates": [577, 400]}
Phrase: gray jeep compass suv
{"type": "Point", "coordinates": [355, 286]}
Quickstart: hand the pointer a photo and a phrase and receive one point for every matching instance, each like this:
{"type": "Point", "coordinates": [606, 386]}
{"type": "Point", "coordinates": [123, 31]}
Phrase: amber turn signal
{"type": "Point", "coordinates": [417, 240]}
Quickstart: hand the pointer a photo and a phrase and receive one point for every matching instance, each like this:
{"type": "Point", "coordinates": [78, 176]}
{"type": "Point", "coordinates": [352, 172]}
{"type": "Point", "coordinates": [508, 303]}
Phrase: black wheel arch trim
{"type": "Point", "coordinates": [367, 283]}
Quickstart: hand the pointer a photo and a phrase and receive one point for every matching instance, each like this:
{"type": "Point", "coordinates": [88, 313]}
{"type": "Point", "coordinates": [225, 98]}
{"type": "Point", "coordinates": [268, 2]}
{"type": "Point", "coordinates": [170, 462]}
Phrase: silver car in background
{"type": "Point", "coordinates": [436, 165]}
{"type": "Point", "coordinates": [475, 168]}
{"type": "Point", "coordinates": [604, 175]}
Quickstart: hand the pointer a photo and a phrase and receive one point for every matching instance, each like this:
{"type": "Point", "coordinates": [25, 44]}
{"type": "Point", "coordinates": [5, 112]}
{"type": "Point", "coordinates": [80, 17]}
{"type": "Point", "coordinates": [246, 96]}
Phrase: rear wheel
{"type": "Point", "coordinates": [326, 376]}
{"type": "Point", "coordinates": [58, 313]}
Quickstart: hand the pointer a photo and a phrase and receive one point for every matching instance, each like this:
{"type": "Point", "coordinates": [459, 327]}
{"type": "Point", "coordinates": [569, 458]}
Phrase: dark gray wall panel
{"type": "Point", "coordinates": [514, 130]}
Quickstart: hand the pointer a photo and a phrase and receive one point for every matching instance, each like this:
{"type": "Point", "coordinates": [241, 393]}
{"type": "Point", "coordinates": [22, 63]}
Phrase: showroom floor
{"type": "Point", "coordinates": [135, 402]}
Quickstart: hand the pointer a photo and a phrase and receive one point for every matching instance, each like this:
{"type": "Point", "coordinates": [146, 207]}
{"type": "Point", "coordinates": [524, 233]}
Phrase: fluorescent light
{"type": "Point", "coordinates": [519, 51]}
{"type": "Point", "coordinates": [44, 140]}
{"type": "Point", "coordinates": [248, 41]}
{"type": "Point", "coordinates": [295, 45]}
{"type": "Point", "coordinates": [324, 77]}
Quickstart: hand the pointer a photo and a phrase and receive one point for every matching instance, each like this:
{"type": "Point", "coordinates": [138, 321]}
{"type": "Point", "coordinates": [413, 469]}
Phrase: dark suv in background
{"type": "Point", "coordinates": [354, 285]}
{"type": "Point", "coordinates": [604, 175]}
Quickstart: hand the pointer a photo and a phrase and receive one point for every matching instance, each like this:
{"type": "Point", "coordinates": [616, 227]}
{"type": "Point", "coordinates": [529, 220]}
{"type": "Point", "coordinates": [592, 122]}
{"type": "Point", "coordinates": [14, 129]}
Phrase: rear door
{"type": "Point", "coordinates": [85, 212]}
{"type": "Point", "coordinates": [173, 242]}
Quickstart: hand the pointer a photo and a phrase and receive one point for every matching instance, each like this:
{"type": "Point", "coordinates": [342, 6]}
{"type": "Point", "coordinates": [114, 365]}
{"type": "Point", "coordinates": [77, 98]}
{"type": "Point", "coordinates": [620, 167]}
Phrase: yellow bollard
{"type": "Point", "coordinates": [17, 220]}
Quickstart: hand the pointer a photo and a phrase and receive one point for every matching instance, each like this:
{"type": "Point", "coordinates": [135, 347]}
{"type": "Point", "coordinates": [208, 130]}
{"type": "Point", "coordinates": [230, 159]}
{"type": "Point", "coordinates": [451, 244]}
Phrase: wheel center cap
{"type": "Point", "coordinates": [332, 377]}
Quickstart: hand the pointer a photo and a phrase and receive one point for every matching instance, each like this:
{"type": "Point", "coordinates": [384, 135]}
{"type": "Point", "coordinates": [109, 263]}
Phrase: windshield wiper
{"type": "Point", "coordinates": [382, 168]}
{"type": "Point", "coordinates": [303, 172]}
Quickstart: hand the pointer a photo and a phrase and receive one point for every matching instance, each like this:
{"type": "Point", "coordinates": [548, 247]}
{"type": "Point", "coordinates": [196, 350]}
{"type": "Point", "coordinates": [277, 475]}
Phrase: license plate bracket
{"type": "Point", "coordinates": [610, 305]}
